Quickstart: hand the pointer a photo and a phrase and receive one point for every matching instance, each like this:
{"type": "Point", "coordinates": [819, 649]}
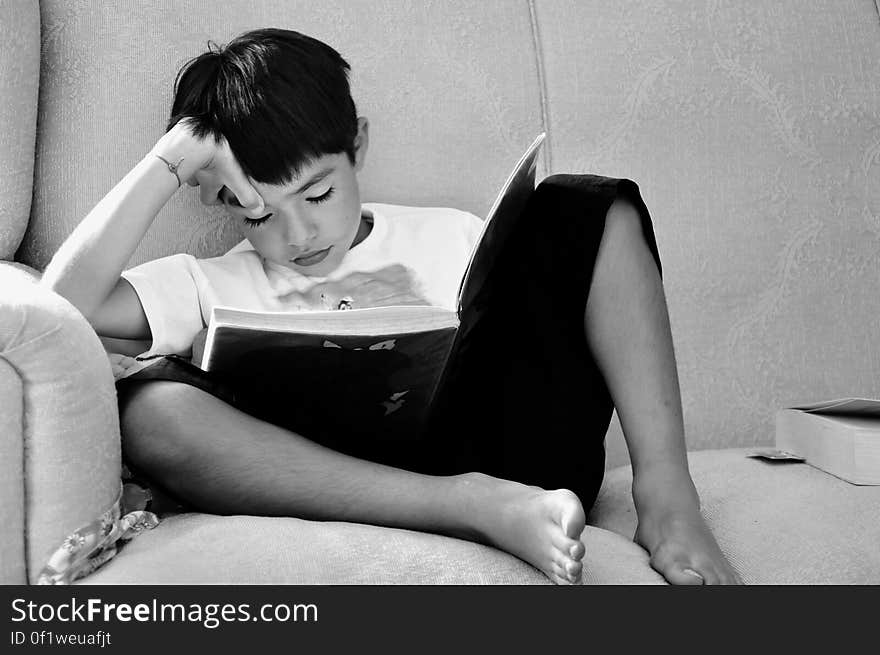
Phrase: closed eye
{"type": "Point", "coordinates": [232, 201]}
{"type": "Point", "coordinates": [256, 222]}
{"type": "Point", "coordinates": [324, 197]}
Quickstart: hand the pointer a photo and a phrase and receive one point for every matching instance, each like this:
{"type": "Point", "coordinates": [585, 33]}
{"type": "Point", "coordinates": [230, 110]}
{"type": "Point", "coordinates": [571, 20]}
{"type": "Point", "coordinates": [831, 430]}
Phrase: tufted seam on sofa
{"type": "Point", "coordinates": [542, 84]}
{"type": "Point", "coordinates": [10, 351]}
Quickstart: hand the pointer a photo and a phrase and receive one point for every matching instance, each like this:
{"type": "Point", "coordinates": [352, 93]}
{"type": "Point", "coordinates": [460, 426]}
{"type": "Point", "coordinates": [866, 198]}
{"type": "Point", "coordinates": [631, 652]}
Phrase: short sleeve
{"type": "Point", "coordinates": [168, 289]}
{"type": "Point", "coordinates": [472, 227]}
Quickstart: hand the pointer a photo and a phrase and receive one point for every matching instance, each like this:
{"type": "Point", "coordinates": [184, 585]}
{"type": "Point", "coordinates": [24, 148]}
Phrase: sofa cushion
{"type": "Point", "coordinates": [206, 549]}
{"type": "Point", "coordinates": [778, 523]}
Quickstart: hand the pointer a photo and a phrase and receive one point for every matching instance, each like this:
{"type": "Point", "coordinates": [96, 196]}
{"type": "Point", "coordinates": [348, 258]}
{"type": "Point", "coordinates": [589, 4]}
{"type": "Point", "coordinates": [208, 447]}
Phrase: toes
{"type": "Point", "coordinates": [703, 576]}
{"type": "Point", "coordinates": [703, 573]}
{"type": "Point", "coordinates": [679, 574]}
{"type": "Point", "coordinates": [728, 576]}
{"type": "Point", "coordinates": [572, 568]}
{"type": "Point", "coordinates": [572, 548]}
{"type": "Point", "coordinates": [567, 568]}
{"type": "Point", "coordinates": [560, 575]}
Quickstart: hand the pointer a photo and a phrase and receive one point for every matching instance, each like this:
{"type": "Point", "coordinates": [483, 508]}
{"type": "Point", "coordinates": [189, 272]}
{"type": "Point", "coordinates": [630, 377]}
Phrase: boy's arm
{"type": "Point", "coordinates": [86, 269]}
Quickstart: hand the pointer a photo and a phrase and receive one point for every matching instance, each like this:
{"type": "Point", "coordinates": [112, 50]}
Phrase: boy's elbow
{"type": "Point", "coordinates": [57, 285]}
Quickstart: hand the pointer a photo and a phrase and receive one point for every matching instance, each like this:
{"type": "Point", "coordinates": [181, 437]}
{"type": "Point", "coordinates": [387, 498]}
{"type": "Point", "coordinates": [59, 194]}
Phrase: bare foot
{"type": "Point", "coordinates": [683, 549]}
{"type": "Point", "coordinates": [540, 527]}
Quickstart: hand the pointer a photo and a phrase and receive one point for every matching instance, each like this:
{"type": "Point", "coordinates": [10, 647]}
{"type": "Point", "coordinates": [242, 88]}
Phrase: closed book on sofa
{"type": "Point", "coordinates": [841, 437]}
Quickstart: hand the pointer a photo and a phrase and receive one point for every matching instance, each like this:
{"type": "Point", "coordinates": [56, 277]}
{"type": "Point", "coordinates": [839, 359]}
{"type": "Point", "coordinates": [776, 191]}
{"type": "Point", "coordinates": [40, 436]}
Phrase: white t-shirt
{"type": "Point", "coordinates": [179, 292]}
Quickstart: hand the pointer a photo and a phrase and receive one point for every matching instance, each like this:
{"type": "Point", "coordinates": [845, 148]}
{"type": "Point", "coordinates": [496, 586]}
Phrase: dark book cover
{"type": "Point", "coordinates": [379, 386]}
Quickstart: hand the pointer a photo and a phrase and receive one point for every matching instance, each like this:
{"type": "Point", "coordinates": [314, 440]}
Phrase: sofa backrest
{"type": "Point", "coordinates": [751, 128]}
{"type": "Point", "coordinates": [452, 95]}
{"type": "Point", "coordinates": [19, 81]}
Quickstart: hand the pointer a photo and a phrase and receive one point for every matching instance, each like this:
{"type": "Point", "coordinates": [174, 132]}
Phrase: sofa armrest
{"type": "Point", "coordinates": [12, 560]}
{"type": "Point", "coordinates": [69, 436]}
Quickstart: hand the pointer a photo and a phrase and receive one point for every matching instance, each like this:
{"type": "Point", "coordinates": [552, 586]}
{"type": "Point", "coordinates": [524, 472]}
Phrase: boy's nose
{"type": "Point", "coordinates": [300, 232]}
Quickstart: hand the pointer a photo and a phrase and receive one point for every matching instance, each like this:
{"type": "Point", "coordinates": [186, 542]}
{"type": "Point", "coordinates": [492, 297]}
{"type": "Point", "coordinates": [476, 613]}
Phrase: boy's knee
{"type": "Point", "coordinates": [151, 415]}
{"type": "Point", "coordinates": [624, 221]}
{"type": "Point", "coordinates": [625, 234]}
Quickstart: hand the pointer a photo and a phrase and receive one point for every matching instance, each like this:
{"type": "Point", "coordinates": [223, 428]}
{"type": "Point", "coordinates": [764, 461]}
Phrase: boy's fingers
{"type": "Point", "coordinates": [210, 194]}
{"type": "Point", "coordinates": [241, 186]}
{"type": "Point", "coordinates": [247, 196]}
{"type": "Point", "coordinates": [250, 200]}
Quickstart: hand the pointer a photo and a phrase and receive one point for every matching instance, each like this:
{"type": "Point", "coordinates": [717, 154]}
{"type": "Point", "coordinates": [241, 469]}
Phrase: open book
{"type": "Point", "coordinates": [372, 371]}
{"type": "Point", "coordinates": [841, 437]}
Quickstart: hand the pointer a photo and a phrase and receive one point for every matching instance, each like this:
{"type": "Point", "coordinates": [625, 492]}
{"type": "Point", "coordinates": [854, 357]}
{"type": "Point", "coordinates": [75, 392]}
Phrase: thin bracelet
{"type": "Point", "coordinates": [173, 167]}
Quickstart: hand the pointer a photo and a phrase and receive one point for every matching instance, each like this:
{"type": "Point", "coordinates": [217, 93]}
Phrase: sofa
{"type": "Point", "coordinates": [753, 132]}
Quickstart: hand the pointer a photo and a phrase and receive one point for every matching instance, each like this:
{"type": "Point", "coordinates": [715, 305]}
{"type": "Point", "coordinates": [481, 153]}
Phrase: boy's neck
{"type": "Point", "coordinates": [364, 229]}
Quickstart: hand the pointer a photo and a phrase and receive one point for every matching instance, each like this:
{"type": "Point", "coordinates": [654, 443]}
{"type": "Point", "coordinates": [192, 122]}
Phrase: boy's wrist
{"type": "Point", "coordinates": [173, 167]}
{"type": "Point", "coordinates": [181, 153]}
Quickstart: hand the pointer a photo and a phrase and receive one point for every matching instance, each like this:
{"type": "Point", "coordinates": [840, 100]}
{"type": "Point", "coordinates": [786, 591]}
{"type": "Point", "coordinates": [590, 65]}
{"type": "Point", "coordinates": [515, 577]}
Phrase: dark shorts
{"type": "Point", "coordinates": [528, 402]}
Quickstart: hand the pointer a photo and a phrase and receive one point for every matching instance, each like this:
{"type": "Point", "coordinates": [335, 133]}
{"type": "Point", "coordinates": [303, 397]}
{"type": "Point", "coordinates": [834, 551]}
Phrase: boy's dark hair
{"type": "Point", "coordinates": [280, 98]}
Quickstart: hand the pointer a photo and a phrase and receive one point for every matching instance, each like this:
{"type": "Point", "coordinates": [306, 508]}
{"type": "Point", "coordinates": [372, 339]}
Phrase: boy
{"type": "Point", "coordinates": [266, 126]}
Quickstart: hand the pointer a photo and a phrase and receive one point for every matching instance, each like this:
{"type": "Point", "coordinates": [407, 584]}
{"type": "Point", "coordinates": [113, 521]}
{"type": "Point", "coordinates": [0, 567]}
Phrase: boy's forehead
{"type": "Point", "coordinates": [311, 172]}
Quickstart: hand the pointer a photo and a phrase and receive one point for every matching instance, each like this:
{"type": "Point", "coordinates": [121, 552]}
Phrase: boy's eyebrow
{"type": "Point", "coordinates": [314, 179]}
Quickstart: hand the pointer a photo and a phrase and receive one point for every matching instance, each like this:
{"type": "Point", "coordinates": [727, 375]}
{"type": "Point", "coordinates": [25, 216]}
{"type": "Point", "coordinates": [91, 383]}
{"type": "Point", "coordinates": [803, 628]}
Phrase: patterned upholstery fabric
{"type": "Point", "coordinates": [753, 131]}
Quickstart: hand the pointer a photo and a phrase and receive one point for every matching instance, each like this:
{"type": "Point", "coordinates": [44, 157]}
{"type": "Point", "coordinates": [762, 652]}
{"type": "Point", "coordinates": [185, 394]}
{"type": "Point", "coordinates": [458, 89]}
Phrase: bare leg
{"type": "Point", "coordinates": [225, 461]}
{"type": "Point", "coordinates": [627, 328]}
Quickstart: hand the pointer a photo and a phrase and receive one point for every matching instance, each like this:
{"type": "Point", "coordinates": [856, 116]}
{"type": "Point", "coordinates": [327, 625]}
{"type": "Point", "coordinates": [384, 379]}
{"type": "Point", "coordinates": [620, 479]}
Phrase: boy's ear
{"type": "Point", "coordinates": [361, 141]}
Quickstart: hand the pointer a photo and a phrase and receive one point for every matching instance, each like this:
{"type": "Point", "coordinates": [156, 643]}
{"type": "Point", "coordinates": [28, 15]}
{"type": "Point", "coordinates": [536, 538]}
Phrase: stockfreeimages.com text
{"type": "Point", "coordinates": [210, 615]}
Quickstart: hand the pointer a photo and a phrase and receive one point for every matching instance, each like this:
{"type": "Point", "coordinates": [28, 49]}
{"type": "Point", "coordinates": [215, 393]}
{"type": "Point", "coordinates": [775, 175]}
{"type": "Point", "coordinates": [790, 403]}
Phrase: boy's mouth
{"type": "Point", "coordinates": [312, 258]}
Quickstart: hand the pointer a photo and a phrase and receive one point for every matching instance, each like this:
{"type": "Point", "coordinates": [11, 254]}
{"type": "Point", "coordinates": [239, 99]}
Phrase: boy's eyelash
{"type": "Point", "coordinates": [257, 222]}
{"type": "Point", "coordinates": [322, 198]}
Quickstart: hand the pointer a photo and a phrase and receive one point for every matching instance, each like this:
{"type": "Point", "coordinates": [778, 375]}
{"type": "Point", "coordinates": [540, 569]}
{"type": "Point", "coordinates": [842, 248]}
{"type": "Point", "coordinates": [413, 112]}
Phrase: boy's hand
{"type": "Point", "coordinates": [209, 165]}
{"type": "Point", "coordinates": [123, 366]}
{"type": "Point", "coordinates": [392, 285]}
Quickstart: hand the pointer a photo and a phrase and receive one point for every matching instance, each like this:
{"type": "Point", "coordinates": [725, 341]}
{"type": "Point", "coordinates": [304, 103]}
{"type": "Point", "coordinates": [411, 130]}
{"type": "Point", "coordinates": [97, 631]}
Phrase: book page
{"type": "Point", "coordinates": [506, 209]}
{"type": "Point", "coordinates": [844, 406]}
{"type": "Point", "coordinates": [370, 321]}
{"type": "Point", "coordinates": [857, 421]}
